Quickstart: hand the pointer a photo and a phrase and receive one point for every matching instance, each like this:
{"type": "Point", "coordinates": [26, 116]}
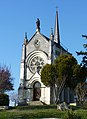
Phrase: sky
{"type": "Point", "coordinates": [19, 16]}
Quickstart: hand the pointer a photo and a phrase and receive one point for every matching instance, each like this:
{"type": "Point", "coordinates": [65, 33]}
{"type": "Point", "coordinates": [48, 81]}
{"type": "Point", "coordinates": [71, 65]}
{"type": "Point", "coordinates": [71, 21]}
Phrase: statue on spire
{"type": "Point", "coordinates": [38, 24]}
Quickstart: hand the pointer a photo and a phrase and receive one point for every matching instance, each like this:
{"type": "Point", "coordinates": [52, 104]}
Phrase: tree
{"type": "Point", "coordinates": [5, 80]}
{"type": "Point", "coordinates": [64, 72]}
{"type": "Point", "coordinates": [80, 88]}
{"type": "Point", "coordinates": [78, 76]}
{"type": "Point", "coordinates": [65, 65]}
{"type": "Point", "coordinates": [81, 91]}
{"type": "Point", "coordinates": [84, 54]}
{"type": "Point", "coordinates": [69, 72]}
{"type": "Point", "coordinates": [48, 74]}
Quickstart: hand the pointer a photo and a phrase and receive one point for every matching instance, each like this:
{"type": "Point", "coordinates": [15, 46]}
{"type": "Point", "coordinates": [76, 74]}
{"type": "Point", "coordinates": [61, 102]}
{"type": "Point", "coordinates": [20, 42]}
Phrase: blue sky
{"type": "Point", "coordinates": [19, 16]}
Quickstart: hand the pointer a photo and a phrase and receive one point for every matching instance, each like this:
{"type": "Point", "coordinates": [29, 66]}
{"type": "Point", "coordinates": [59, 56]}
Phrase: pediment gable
{"type": "Point", "coordinates": [38, 42]}
{"type": "Point", "coordinates": [39, 36]}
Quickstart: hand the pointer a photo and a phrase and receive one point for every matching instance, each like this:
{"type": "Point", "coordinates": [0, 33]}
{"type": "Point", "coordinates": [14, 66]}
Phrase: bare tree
{"type": "Point", "coordinates": [14, 98]}
{"type": "Point", "coordinates": [6, 80]}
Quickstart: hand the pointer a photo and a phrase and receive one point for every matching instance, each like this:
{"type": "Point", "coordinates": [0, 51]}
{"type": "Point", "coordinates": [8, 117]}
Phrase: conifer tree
{"type": "Point", "coordinates": [83, 54]}
{"type": "Point", "coordinates": [64, 72]}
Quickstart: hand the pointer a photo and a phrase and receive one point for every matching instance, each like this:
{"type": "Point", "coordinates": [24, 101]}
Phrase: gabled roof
{"type": "Point", "coordinates": [41, 35]}
{"type": "Point", "coordinates": [45, 37]}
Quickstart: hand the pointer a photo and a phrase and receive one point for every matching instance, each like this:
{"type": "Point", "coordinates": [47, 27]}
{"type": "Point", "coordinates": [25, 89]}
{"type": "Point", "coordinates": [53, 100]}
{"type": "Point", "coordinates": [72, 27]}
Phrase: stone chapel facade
{"type": "Point", "coordinates": [37, 52]}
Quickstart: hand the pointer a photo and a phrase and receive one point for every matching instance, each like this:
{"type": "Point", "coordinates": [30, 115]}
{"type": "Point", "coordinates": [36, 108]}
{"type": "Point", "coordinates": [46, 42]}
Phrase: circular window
{"type": "Point", "coordinates": [36, 64]}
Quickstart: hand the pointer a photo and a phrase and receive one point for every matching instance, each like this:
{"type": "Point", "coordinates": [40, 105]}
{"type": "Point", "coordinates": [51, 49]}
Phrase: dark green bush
{"type": "Point", "coordinates": [4, 100]}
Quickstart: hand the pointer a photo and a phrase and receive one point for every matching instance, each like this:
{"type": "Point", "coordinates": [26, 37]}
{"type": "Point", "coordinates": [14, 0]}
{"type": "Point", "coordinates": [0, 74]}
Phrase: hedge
{"type": "Point", "coordinates": [4, 100]}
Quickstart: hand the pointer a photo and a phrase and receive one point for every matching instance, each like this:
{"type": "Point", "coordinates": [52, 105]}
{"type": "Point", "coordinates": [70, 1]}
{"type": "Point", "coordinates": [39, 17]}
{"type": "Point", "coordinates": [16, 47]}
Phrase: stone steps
{"type": "Point", "coordinates": [35, 103]}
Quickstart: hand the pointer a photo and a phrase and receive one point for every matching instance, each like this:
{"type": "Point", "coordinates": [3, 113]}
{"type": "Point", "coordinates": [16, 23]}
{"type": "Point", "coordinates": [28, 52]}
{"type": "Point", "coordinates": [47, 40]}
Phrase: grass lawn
{"type": "Point", "coordinates": [36, 112]}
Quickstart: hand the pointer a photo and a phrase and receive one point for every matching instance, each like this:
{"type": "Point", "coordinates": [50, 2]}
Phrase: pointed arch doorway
{"type": "Point", "coordinates": [36, 91]}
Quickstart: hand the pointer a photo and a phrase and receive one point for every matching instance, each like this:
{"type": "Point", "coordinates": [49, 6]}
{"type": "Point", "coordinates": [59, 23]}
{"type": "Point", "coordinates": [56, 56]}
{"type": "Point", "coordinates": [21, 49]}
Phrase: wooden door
{"type": "Point", "coordinates": [36, 91]}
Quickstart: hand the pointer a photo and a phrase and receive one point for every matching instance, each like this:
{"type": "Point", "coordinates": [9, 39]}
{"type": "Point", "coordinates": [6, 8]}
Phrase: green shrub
{"type": "Point", "coordinates": [71, 115]}
{"type": "Point", "coordinates": [4, 100]}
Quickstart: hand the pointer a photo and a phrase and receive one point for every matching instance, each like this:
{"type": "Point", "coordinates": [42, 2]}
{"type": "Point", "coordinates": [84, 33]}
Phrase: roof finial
{"type": "Point", "coordinates": [25, 38]}
{"type": "Point", "coordinates": [52, 31]}
{"type": "Point", "coordinates": [51, 34]}
{"type": "Point", "coordinates": [25, 35]}
{"type": "Point", "coordinates": [38, 25]}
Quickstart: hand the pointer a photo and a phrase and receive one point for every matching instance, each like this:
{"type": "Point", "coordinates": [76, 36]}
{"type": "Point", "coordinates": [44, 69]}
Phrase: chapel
{"type": "Point", "coordinates": [38, 51]}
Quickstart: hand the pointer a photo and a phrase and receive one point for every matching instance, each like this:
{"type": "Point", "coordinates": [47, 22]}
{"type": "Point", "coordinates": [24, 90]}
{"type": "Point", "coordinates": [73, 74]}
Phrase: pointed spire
{"type": "Point", "coordinates": [56, 29]}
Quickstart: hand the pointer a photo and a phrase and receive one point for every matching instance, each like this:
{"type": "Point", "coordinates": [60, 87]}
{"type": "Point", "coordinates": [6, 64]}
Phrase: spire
{"type": "Point", "coordinates": [56, 29]}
